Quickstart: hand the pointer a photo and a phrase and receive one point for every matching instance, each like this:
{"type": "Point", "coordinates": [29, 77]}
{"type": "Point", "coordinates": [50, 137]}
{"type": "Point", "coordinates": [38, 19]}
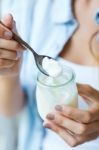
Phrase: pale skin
{"type": "Point", "coordinates": [71, 124]}
{"type": "Point", "coordinates": [11, 94]}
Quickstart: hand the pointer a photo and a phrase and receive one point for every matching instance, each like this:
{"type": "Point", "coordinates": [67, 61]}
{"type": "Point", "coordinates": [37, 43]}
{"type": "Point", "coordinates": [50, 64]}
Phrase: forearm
{"type": "Point", "coordinates": [11, 96]}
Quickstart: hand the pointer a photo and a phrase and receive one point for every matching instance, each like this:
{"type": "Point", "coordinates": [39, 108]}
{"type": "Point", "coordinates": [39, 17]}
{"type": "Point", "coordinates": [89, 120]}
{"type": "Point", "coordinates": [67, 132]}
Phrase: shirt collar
{"type": "Point", "coordinates": [62, 11]}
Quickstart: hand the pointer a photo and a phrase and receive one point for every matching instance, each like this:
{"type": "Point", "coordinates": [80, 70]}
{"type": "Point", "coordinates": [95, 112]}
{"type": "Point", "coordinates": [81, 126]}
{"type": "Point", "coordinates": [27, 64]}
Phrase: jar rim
{"type": "Point", "coordinates": [72, 78]}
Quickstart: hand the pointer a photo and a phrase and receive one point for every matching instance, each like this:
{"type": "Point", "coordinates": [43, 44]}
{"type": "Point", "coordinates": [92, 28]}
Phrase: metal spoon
{"type": "Point", "coordinates": [38, 58]}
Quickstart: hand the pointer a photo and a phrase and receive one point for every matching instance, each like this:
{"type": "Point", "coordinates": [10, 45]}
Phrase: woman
{"type": "Point", "coordinates": [52, 25]}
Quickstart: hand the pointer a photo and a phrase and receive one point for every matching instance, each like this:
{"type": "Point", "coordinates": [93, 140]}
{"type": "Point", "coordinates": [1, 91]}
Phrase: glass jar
{"type": "Point", "coordinates": [56, 91]}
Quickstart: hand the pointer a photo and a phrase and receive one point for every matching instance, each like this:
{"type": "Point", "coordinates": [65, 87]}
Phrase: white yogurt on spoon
{"type": "Point", "coordinates": [52, 67]}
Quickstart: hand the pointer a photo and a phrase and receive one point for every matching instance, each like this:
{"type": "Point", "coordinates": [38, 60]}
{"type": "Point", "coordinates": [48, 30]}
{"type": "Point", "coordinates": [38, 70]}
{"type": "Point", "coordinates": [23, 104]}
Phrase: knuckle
{"type": "Point", "coordinates": [15, 56]}
{"type": "Point", "coordinates": [18, 54]}
{"type": "Point", "coordinates": [82, 129]}
{"type": "Point", "coordinates": [86, 85]}
{"type": "Point", "coordinates": [88, 89]}
{"type": "Point", "coordinates": [69, 112]}
{"type": "Point", "coordinates": [87, 117]}
{"type": "Point", "coordinates": [56, 129]}
{"type": "Point", "coordinates": [59, 120]}
{"type": "Point", "coordinates": [16, 45]}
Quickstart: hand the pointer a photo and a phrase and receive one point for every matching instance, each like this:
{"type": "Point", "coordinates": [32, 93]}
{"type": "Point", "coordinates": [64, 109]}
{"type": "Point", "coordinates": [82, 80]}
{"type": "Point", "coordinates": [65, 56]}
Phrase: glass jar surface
{"type": "Point", "coordinates": [56, 91]}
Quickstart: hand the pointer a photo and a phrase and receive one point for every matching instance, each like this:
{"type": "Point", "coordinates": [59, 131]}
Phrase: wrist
{"type": "Point", "coordinates": [11, 95]}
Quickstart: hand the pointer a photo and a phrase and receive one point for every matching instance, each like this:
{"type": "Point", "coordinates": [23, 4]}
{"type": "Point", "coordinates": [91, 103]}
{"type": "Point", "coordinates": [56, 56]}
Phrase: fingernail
{"type": "Point", "coordinates": [50, 117]}
{"type": "Point", "coordinates": [19, 54]}
{"type": "Point", "coordinates": [58, 108]}
{"type": "Point", "coordinates": [8, 35]}
{"type": "Point", "coordinates": [47, 126]}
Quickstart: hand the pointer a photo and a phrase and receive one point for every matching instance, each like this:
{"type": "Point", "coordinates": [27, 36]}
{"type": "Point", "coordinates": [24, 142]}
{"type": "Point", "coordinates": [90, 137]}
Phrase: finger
{"type": "Point", "coordinates": [66, 123]}
{"type": "Point", "coordinates": [83, 116]}
{"type": "Point", "coordinates": [64, 134]}
{"type": "Point", "coordinates": [4, 63]}
{"type": "Point", "coordinates": [5, 33]}
{"type": "Point", "coordinates": [4, 29]}
{"type": "Point", "coordinates": [88, 92]}
{"type": "Point", "coordinates": [75, 113]}
{"type": "Point", "coordinates": [85, 138]}
{"type": "Point", "coordinates": [91, 96]}
{"type": "Point", "coordinates": [10, 45]}
{"type": "Point", "coordinates": [71, 139]}
{"type": "Point", "coordinates": [8, 21]}
{"type": "Point", "coordinates": [73, 126]}
{"type": "Point", "coordinates": [10, 55]}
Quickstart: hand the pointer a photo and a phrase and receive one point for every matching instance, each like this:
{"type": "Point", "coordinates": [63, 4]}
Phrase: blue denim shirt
{"type": "Point", "coordinates": [47, 25]}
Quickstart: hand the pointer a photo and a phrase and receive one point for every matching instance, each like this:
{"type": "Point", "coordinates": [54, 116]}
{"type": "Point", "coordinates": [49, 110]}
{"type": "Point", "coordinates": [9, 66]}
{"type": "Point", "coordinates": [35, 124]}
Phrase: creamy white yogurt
{"type": "Point", "coordinates": [52, 67]}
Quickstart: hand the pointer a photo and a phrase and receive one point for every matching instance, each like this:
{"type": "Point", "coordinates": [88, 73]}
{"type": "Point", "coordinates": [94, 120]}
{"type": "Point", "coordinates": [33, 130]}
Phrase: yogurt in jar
{"type": "Point", "coordinates": [56, 89]}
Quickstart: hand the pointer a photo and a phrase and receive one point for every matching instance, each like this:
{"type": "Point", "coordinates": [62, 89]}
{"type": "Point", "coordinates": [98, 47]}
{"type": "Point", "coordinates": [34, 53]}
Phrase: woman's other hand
{"type": "Point", "coordinates": [73, 125]}
{"type": "Point", "coordinates": [10, 50]}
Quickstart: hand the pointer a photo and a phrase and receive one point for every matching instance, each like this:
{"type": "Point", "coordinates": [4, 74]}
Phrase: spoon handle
{"type": "Point", "coordinates": [25, 44]}
{"type": "Point", "coordinates": [20, 40]}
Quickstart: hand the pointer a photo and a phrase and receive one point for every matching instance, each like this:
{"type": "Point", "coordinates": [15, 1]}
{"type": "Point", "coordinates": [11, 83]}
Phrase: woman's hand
{"type": "Point", "coordinates": [11, 93]}
{"type": "Point", "coordinates": [10, 50]}
{"type": "Point", "coordinates": [73, 125]}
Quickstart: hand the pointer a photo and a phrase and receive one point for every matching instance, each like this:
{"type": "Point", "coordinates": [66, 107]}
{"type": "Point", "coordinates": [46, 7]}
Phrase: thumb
{"type": "Point", "coordinates": [89, 93]}
{"type": "Point", "coordinates": [8, 21]}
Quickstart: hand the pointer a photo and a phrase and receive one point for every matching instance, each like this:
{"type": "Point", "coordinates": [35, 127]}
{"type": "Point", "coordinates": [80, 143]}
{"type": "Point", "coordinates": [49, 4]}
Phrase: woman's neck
{"type": "Point", "coordinates": [78, 56]}
{"type": "Point", "coordinates": [78, 48]}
